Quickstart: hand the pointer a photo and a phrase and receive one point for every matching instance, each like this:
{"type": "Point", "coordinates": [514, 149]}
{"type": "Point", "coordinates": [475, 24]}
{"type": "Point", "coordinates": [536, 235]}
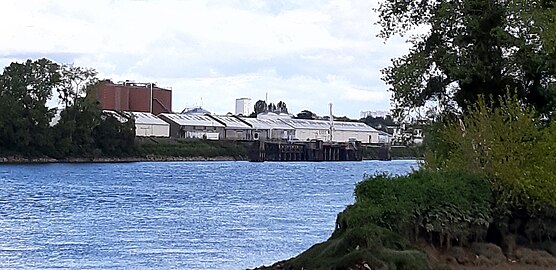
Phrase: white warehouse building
{"type": "Point", "coordinates": [148, 125]}
{"type": "Point", "coordinates": [342, 131]}
{"type": "Point", "coordinates": [346, 131]}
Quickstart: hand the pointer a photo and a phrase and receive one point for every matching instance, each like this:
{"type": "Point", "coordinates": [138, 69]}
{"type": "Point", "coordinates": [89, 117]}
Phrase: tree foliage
{"type": "Point", "coordinates": [379, 122]}
{"type": "Point", "coordinates": [472, 48]}
{"type": "Point", "coordinates": [24, 90]}
{"type": "Point", "coordinates": [306, 114]}
{"type": "Point", "coordinates": [507, 144]}
{"type": "Point", "coordinates": [282, 107]}
{"type": "Point", "coordinates": [260, 107]}
{"type": "Point", "coordinates": [25, 118]}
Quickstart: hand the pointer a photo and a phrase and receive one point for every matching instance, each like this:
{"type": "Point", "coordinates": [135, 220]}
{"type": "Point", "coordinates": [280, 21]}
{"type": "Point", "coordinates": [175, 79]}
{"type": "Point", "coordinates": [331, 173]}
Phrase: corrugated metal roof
{"type": "Point", "coordinates": [118, 116]}
{"type": "Point", "coordinates": [307, 124]}
{"type": "Point", "coordinates": [146, 118]}
{"type": "Point", "coordinates": [322, 125]}
{"type": "Point", "coordinates": [257, 123]}
{"type": "Point", "coordinates": [231, 122]}
{"type": "Point", "coordinates": [192, 120]}
{"type": "Point", "coordinates": [353, 126]}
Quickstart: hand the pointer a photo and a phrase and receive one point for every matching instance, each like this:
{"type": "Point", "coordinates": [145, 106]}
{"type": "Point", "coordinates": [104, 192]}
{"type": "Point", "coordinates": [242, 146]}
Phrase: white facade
{"type": "Point", "coordinates": [193, 126]}
{"type": "Point", "coordinates": [269, 129]}
{"type": "Point", "coordinates": [341, 131]}
{"type": "Point", "coordinates": [346, 131]}
{"type": "Point", "coordinates": [243, 106]}
{"type": "Point", "coordinates": [148, 125]}
{"type": "Point", "coordinates": [306, 130]}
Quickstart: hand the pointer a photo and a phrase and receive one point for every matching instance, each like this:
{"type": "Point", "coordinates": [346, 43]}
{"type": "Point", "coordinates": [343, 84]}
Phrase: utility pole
{"type": "Point", "coordinates": [331, 122]}
{"type": "Point", "coordinates": [151, 100]}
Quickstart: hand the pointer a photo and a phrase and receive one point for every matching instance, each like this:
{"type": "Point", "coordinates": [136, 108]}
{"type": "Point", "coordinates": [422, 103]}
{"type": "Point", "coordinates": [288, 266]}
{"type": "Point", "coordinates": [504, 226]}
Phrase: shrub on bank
{"type": "Point", "coordinates": [509, 145]}
{"type": "Point", "coordinates": [391, 213]}
{"type": "Point", "coordinates": [440, 207]}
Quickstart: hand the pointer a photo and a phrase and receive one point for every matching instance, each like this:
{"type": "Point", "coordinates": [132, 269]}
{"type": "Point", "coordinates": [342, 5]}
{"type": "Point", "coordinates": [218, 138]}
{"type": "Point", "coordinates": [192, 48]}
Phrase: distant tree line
{"type": "Point", "coordinates": [82, 130]}
{"type": "Point", "coordinates": [262, 107]}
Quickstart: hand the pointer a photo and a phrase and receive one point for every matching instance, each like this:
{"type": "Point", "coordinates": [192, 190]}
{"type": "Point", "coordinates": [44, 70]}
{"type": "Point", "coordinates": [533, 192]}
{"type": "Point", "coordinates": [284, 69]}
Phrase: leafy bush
{"type": "Point", "coordinates": [508, 145]}
{"type": "Point", "coordinates": [442, 207]}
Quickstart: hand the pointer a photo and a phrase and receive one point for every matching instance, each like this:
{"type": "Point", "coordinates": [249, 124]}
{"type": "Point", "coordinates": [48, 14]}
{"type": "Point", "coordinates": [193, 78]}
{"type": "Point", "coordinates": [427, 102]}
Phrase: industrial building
{"type": "Point", "coordinates": [134, 97]}
{"type": "Point", "coordinates": [243, 106]}
{"type": "Point", "coordinates": [148, 125]}
{"type": "Point", "coordinates": [268, 129]}
{"type": "Point", "coordinates": [234, 128]}
{"type": "Point", "coordinates": [306, 130]}
{"type": "Point", "coordinates": [341, 132]}
{"type": "Point", "coordinates": [358, 131]}
{"type": "Point", "coordinates": [194, 126]}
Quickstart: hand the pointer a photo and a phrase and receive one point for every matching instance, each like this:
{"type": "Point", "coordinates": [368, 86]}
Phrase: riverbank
{"type": "Point", "coordinates": [16, 160]}
{"type": "Point", "coordinates": [151, 149]}
{"type": "Point", "coordinates": [483, 256]}
{"type": "Point", "coordinates": [432, 220]}
{"type": "Point", "coordinates": [170, 149]}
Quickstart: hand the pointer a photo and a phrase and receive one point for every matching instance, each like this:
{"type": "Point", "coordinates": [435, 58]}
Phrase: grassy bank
{"type": "Point", "coordinates": [183, 148]}
{"type": "Point", "coordinates": [149, 149]}
{"type": "Point", "coordinates": [396, 221]}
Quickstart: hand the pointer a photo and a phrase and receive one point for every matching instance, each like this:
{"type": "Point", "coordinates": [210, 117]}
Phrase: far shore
{"type": "Point", "coordinates": [22, 160]}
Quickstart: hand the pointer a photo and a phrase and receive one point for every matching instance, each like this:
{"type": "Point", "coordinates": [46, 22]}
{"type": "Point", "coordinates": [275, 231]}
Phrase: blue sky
{"type": "Point", "coordinates": [304, 53]}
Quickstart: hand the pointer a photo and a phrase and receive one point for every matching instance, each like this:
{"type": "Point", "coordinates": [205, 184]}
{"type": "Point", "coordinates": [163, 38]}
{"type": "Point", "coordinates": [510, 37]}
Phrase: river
{"type": "Point", "coordinates": [171, 215]}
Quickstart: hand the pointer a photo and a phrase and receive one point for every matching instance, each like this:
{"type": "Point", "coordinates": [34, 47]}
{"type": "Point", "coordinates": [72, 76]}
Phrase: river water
{"type": "Point", "coordinates": [182, 215]}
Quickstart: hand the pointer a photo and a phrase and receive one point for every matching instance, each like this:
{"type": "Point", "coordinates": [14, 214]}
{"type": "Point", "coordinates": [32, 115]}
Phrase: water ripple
{"type": "Point", "coordinates": [182, 215]}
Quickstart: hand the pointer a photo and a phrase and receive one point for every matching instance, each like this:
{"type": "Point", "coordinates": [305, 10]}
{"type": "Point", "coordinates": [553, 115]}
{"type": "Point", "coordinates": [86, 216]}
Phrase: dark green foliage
{"type": "Point", "coordinates": [474, 47]}
{"type": "Point", "coordinates": [379, 123]}
{"type": "Point", "coordinates": [81, 131]}
{"type": "Point", "coordinates": [114, 138]}
{"type": "Point", "coordinates": [370, 244]}
{"type": "Point", "coordinates": [444, 208]}
{"type": "Point", "coordinates": [24, 117]}
{"type": "Point", "coordinates": [282, 107]}
{"type": "Point", "coordinates": [260, 107]}
{"type": "Point", "coordinates": [306, 114]}
{"type": "Point", "coordinates": [391, 213]}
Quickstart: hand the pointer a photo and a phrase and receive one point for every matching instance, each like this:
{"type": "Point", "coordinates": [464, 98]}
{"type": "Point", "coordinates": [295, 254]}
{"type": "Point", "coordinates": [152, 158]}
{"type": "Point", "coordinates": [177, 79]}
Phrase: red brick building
{"type": "Point", "coordinates": [135, 97]}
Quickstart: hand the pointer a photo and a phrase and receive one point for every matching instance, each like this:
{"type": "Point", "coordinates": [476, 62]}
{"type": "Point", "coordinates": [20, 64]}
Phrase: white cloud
{"type": "Point", "coordinates": [304, 53]}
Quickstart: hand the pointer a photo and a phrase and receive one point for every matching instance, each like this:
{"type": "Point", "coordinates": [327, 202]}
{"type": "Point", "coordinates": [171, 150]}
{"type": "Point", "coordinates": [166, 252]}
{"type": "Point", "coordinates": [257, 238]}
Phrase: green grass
{"type": "Point", "coordinates": [193, 148]}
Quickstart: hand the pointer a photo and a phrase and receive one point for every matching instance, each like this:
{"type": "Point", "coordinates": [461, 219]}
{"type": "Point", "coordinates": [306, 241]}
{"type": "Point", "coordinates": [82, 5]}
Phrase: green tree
{"type": "Point", "coordinates": [115, 138]}
{"type": "Point", "coordinates": [260, 107]}
{"type": "Point", "coordinates": [474, 47]}
{"type": "Point", "coordinates": [306, 114]}
{"type": "Point", "coordinates": [282, 107]}
{"type": "Point", "coordinates": [81, 113]}
{"type": "Point", "coordinates": [379, 123]}
{"type": "Point", "coordinates": [507, 145]}
{"type": "Point", "coordinates": [271, 107]}
{"type": "Point", "coordinates": [24, 91]}
{"type": "Point", "coordinates": [75, 81]}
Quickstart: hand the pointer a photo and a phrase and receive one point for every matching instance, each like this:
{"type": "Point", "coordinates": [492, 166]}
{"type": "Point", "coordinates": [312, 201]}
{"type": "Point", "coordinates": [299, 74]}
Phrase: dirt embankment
{"type": "Point", "coordinates": [481, 256]}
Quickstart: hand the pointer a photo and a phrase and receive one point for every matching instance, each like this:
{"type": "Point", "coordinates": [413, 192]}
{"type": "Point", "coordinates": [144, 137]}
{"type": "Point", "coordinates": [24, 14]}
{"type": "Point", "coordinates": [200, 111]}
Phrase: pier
{"type": "Point", "coordinates": [305, 151]}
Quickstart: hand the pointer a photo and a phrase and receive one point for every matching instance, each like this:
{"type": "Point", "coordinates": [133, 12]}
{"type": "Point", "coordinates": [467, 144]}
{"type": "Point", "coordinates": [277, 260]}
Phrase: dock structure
{"type": "Point", "coordinates": [316, 150]}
